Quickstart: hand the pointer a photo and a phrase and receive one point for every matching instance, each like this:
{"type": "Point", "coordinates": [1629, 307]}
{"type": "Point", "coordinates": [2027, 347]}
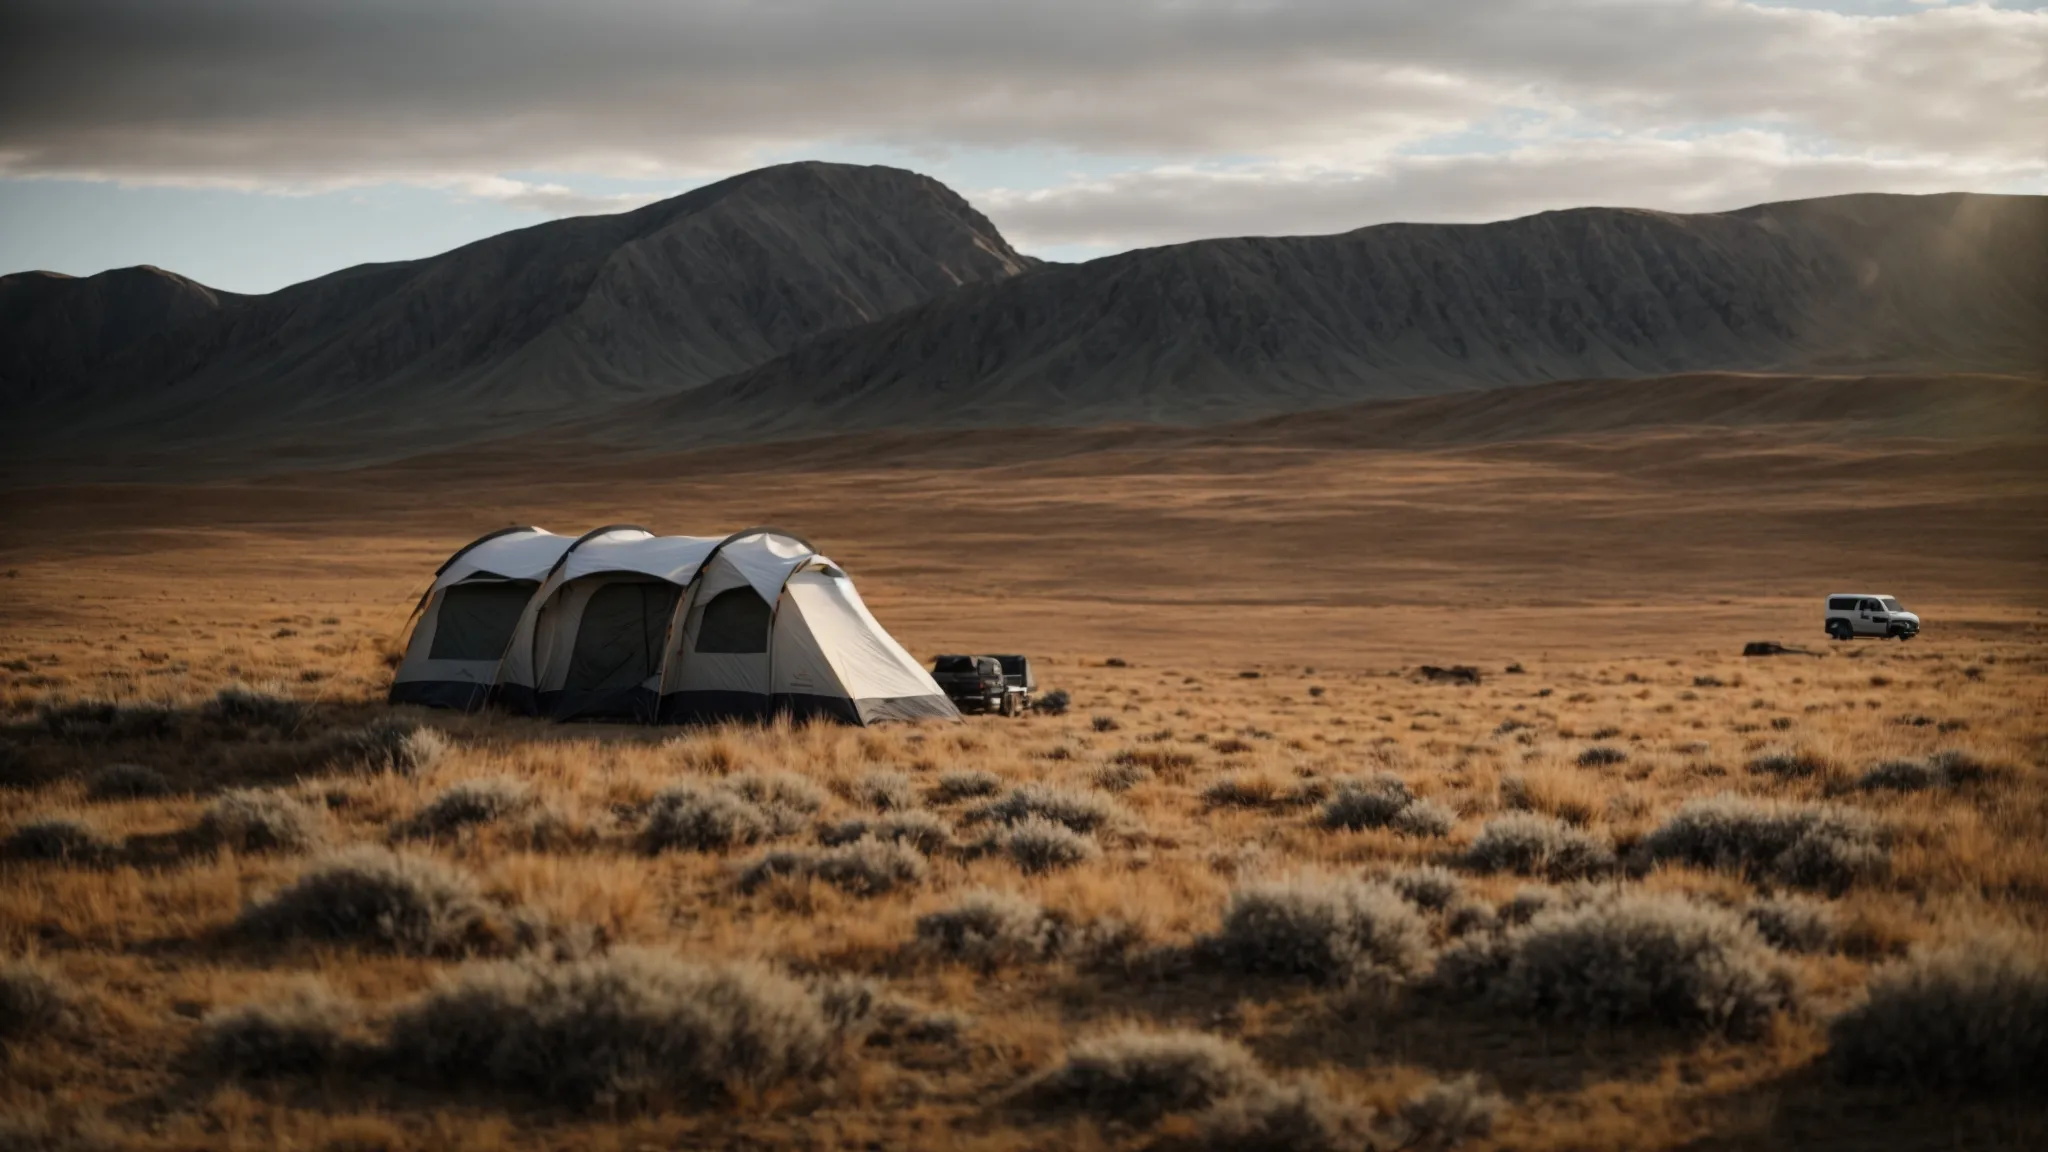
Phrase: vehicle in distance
{"type": "Point", "coordinates": [1001, 684]}
{"type": "Point", "coordinates": [1853, 614]}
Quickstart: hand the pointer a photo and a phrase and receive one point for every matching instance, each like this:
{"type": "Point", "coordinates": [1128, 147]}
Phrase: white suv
{"type": "Point", "coordinates": [1853, 614]}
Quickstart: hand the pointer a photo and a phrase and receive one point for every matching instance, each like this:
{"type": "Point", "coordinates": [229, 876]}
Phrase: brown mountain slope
{"type": "Point", "coordinates": [62, 329]}
{"type": "Point", "coordinates": [530, 325]}
{"type": "Point", "coordinates": [1227, 329]}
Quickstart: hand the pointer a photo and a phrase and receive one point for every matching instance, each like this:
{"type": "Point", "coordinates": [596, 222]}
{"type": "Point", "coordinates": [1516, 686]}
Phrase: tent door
{"type": "Point", "coordinates": [617, 652]}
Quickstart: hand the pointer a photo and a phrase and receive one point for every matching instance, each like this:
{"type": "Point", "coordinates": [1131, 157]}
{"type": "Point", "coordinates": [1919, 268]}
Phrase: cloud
{"type": "Point", "coordinates": [323, 91]}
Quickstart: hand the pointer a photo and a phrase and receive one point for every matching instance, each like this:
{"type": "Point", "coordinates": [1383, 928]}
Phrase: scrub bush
{"type": "Point", "coordinates": [628, 1030]}
{"type": "Point", "coordinates": [1053, 703]}
{"type": "Point", "coordinates": [885, 792]}
{"type": "Point", "coordinates": [1137, 1077]}
{"type": "Point", "coordinates": [1793, 924]}
{"type": "Point", "coordinates": [865, 868]}
{"type": "Point", "coordinates": [1328, 929]}
{"type": "Point", "coordinates": [255, 820]}
{"type": "Point", "coordinates": [1970, 1018]}
{"type": "Point", "coordinates": [374, 898]}
{"type": "Point", "coordinates": [469, 803]}
{"type": "Point", "coordinates": [1040, 845]}
{"type": "Point", "coordinates": [32, 1001]}
{"type": "Point", "coordinates": [1809, 847]}
{"type": "Point", "coordinates": [304, 1033]}
{"type": "Point", "coordinates": [106, 720]}
{"type": "Point", "coordinates": [1901, 776]}
{"type": "Point", "coordinates": [126, 782]}
{"type": "Point", "coordinates": [1121, 777]}
{"type": "Point", "coordinates": [919, 829]}
{"type": "Point", "coordinates": [966, 785]}
{"type": "Point", "coordinates": [56, 838]}
{"type": "Point", "coordinates": [1425, 818]}
{"type": "Point", "coordinates": [700, 819]}
{"type": "Point", "coordinates": [1600, 756]}
{"type": "Point", "coordinates": [391, 744]}
{"type": "Point", "coordinates": [1080, 811]}
{"type": "Point", "coordinates": [1447, 1113]}
{"type": "Point", "coordinates": [1534, 845]}
{"type": "Point", "coordinates": [240, 706]}
{"type": "Point", "coordinates": [1428, 887]}
{"type": "Point", "coordinates": [1627, 960]}
{"type": "Point", "coordinates": [991, 928]}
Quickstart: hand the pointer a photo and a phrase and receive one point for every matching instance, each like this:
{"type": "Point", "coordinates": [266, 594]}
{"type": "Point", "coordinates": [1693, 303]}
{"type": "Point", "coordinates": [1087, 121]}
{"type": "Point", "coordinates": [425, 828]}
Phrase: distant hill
{"type": "Point", "coordinates": [1230, 329]}
{"type": "Point", "coordinates": [556, 320]}
{"type": "Point", "coordinates": [62, 329]}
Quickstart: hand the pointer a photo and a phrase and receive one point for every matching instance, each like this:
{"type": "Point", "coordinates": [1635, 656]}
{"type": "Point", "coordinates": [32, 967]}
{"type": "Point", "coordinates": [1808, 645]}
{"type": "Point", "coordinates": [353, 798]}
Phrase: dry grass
{"type": "Point", "coordinates": [1069, 883]}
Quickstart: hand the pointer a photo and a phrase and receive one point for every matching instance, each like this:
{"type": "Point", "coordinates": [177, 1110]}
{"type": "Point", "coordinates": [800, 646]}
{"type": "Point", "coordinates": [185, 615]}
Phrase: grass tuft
{"type": "Point", "coordinates": [390, 744]}
{"type": "Point", "coordinates": [1793, 924]}
{"type": "Point", "coordinates": [1138, 1077]}
{"type": "Point", "coordinates": [1039, 845]}
{"type": "Point", "coordinates": [885, 791]}
{"type": "Point", "coordinates": [1079, 811]}
{"type": "Point", "coordinates": [966, 785]}
{"type": "Point", "coordinates": [695, 818]}
{"type": "Point", "coordinates": [57, 838]}
{"type": "Point", "coordinates": [242, 707]}
{"type": "Point", "coordinates": [1428, 886]}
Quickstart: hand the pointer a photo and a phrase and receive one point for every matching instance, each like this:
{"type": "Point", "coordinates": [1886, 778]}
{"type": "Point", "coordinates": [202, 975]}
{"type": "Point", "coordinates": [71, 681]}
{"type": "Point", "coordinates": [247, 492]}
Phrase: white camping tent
{"type": "Point", "coordinates": [467, 618]}
{"type": "Point", "coordinates": [685, 628]}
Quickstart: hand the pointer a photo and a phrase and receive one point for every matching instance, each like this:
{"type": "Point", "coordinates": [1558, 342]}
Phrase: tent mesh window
{"type": "Point", "coordinates": [618, 643]}
{"type": "Point", "coordinates": [476, 620]}
{"type": "Point", "coordinates": [736, 620]}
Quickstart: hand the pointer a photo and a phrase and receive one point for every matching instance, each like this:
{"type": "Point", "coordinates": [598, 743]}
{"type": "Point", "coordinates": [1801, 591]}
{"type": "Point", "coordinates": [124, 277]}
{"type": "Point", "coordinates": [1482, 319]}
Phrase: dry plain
{"type": "Point", "coordinates": [1239, 618]}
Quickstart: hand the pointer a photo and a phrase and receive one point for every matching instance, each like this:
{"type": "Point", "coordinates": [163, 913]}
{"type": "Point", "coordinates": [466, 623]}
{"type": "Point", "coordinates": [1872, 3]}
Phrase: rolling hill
{"type": "Point", "coordinates": [1229, 329]}
{"type": "Point", "coordinates": [568, 316]}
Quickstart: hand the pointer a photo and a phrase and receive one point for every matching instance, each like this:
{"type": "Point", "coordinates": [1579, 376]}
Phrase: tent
{"type": "Point", "coordinates": [630, 625]}
{"type": "Point", "coordinates": [466, 620]}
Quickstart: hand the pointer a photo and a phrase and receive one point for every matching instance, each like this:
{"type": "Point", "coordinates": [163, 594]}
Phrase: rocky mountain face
{"type": "Point", "coordinates": [528, 327]}
{"type": "Point", "coordinates": [1229, 329]}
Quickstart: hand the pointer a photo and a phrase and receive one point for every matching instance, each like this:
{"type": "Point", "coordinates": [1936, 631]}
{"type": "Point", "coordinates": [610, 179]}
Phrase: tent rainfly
{"type": "Point", "coordinates": [625, 624]}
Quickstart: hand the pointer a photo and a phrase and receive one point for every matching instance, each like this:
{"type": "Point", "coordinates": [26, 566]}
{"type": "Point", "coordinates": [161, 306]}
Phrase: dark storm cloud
{"type": "Point", "coordinates": [302, 91]}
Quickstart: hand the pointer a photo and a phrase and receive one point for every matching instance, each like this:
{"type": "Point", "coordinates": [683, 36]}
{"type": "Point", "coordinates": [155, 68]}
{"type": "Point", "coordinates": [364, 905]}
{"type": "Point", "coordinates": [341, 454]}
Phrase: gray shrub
{"type": "Point", "coordinates": [1121, 777]}
{"type": "Point", "coordinates": [468, 804]}
{"type": "Point", "coordinates": [1629, 959]}
{"type": "Point", "coordinates": [1328, 929]}
{"type": "Point", "coordinates": [126, 782]}
{"type": "Point", "coordinates": [917, 828]}
{"type": "Point", "coordinates": [62, 838]}
{"type": "Point", "coordinates": [301, 1033]}
{"type": "Point", "coordinates": [243, 707]}
{"type": "Point", "coordinates": [1901, 776]}
{"type": "Point", "coordinates": [388, 744]}
{"type": "Point", "coordinates": [697, 818]}
{"type": "Point", "coordinates": [990, 928]}
{"type": "Point", "coordinates": [1535, 845]}
{"type": "Point", "coordinates": [1794, 924]}
{"type": "Point", "coordinates": [866, 867]}
{"type": "Point", "coordinates": [1600, 756]}
{"type": "Point", "coordinates": [1035, 844]}
{"type": "Point", "coordinates": [966, 785]}
{"type": "Point", "coordinates": [1080, 811]}
{"type": "Point", "coordinates": [1810, 847]}
{"type": "Point", "coordinates": [1053, 703]}
{"type": "Point", "coordinates": [1371, 803]}
{"type": "Point", "coordinates": [628, 1030]}
{"type": "Point", "coordinates": [1281, 1117]}
{"type": "Point", "coordinates": [1425, 818]}
{"type": "Point", "coordinates": [783, 795]}
{"type": "Point", "coordinates": [1137, 1077]}
{"type": "Point", "coordinates": [885, 791]}
{"type": "Point", "coordinates": [32, 1000]}
{"type": "Point", "coordinates": [1428, 886]}
{"type": "Point", "coordinates": [388, 901]}
{"type": "Point", "coordinates": [258, 820]}
{"type": "Point", "coordinates": [1787, 763]}
{"type": "Point", "coordinates": [1446, 1113]}
{"type": "Point", "coordinates": [1970, 1018]}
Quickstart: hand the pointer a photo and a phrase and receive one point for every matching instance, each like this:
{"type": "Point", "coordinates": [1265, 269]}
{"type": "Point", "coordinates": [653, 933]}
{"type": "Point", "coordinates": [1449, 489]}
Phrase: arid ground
{"type": "Point", "coordinates": [1414, 911]}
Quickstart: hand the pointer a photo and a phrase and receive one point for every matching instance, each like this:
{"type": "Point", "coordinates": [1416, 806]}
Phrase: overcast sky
{"type": "Point", "coordinates": [252, 143]}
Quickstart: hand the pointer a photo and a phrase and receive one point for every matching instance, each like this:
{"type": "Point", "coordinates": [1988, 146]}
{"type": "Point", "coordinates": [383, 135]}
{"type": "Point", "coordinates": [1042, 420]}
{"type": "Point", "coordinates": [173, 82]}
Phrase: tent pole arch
{"type": "Point", "coordinates": [679, 624]}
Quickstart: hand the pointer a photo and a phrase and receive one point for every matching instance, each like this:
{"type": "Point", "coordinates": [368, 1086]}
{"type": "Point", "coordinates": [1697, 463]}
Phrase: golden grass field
{"type": "Point", "coordinates": [1269, 602]}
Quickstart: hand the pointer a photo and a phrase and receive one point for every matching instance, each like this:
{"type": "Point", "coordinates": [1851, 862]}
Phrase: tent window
{"type": "Point", "coordinates": [476, 620]}
{"type": "Point", "coordinates": [736, 620]}
{"type": "Point", "coordinates": [619, 641]}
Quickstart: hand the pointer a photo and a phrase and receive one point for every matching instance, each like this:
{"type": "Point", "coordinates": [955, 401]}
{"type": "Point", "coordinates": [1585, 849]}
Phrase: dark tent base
{"type": "Point", "coordinates": [636, 704]}
{"type": "Point", "coordinates": [461, 695]}
{"type": "Point", "coordinates": [716, 707]}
